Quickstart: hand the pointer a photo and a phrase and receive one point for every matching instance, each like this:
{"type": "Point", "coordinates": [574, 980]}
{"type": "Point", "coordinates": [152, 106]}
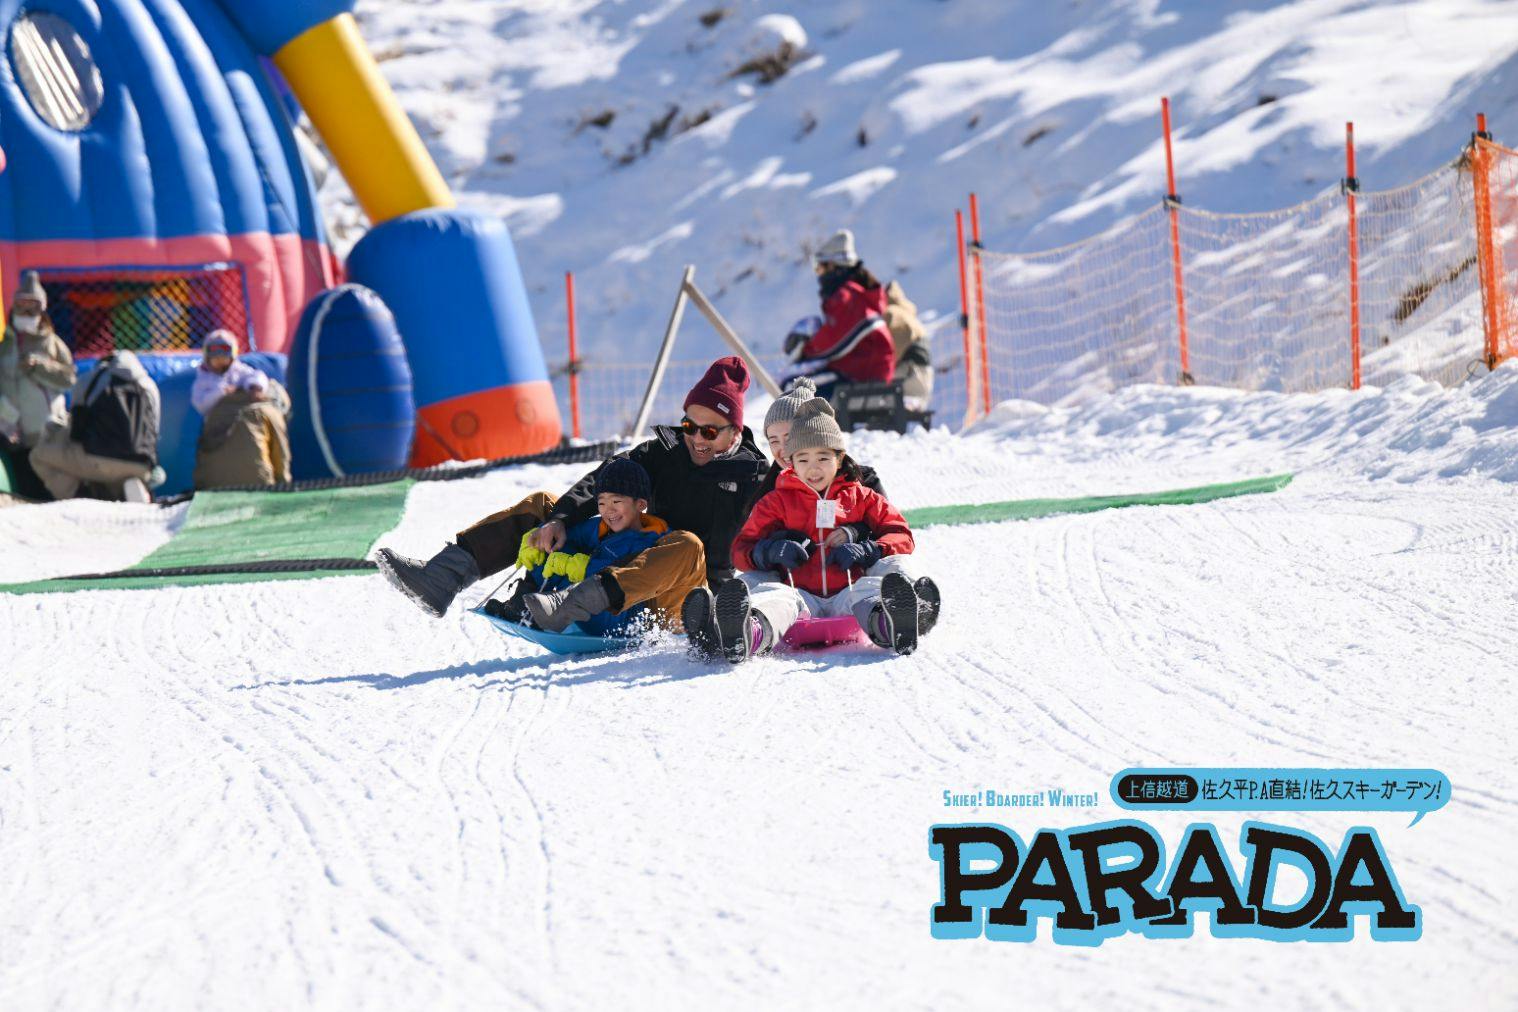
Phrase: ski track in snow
{"type": "Point", "coordinates": [309, 795]}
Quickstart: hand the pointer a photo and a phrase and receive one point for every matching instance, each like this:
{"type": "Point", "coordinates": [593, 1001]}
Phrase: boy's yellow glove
{"type": "Point", "coordinates": [530, 556]}
{"type": "Point", "coordinates": [565, 564]}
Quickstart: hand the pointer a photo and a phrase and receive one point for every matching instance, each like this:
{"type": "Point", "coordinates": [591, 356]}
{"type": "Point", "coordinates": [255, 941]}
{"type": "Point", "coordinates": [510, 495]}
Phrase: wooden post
{"type": "Point", "coordinates": [964, 316]}
{"type": "Point", "coordinates": [574, 357]}
{"type": "Point", "coordinates": [1351, 187]}
{"type": "Point", "coordinates": [1173, 203]}
{"type": "Point", "coordinates": [980, 306]}
{"type": "Point", "coordinates": [657, 376]}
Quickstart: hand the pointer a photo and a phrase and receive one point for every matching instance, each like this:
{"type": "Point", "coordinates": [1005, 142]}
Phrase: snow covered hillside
{"type": "Point", "coordinates": [308, 795]}
{"type": "Point", "coordinates": [624, 140]}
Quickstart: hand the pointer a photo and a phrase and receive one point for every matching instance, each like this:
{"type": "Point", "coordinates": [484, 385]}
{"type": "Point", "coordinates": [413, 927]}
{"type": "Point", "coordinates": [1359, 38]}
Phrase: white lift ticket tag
{"type": "Point", "coordinates": [827, 514]}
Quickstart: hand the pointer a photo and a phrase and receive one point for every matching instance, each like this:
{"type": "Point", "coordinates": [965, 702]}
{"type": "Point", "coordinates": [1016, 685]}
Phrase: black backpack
{"type": "Point", "coordinates": [117, 417]}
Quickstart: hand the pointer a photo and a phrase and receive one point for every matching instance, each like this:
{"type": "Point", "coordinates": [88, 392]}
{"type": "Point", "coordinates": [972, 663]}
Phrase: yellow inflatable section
{"type": "Point", "coordinates": [373, 142]}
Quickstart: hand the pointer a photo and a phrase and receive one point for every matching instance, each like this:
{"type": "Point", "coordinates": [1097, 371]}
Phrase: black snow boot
{"type": "Point", "coordinates": [558, 611]}
{"type": "Point", "coordinates": [432, 584]}
{"type": "Point", "coordinates": [698, 614]}
{"type": "Point", "coordinates": [893, 622]}
{"type": "Point", "coordinates": [743, 632]}
{"type": "Point", "coordinates": [928, 603]}
{"type": "Point", "coordinates": [513, 609]}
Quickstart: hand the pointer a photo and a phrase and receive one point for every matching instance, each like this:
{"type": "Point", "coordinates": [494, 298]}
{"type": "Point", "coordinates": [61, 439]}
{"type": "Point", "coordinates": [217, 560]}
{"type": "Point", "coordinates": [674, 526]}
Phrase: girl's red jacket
{"type": "Point", "coordinates": [792, 506]}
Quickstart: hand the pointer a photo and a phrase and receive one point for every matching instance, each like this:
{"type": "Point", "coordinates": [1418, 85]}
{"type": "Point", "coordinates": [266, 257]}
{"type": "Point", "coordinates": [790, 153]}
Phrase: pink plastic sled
{"type": "Point", "coordinates": [822, 632]}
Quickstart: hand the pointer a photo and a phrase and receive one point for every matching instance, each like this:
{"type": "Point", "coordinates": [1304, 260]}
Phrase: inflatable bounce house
{"type": "Point", "coordinates": [154, 180]}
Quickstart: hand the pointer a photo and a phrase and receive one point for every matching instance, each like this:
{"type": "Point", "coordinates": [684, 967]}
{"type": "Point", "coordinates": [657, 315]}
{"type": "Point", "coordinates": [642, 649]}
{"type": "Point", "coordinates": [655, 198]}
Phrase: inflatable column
{"type": "Point", "coordinates": [451, 278]}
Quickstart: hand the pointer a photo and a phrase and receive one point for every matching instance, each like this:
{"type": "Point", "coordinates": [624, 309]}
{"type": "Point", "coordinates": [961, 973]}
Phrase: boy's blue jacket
{"type": "Point", "coordinates": [605, 548]}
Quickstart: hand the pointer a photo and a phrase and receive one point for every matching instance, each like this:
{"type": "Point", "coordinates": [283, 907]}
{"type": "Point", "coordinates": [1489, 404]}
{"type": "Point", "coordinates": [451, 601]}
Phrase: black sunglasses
{"type": "Point", "coordinates": [691, 427]}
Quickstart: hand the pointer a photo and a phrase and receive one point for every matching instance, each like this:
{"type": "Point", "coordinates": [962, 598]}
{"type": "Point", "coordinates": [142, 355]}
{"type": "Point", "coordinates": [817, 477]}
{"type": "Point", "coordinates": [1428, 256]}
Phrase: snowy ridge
{"type": "Point", "coordinates": [624, 141]}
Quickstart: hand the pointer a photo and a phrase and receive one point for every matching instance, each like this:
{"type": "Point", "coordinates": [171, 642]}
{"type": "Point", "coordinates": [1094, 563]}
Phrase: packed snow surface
{"type": "Point", "coordinates": [307, 794]}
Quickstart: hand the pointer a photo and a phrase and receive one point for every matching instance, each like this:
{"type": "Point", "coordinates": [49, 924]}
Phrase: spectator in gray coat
{"type": "Point", "coordinates": [36, 367]}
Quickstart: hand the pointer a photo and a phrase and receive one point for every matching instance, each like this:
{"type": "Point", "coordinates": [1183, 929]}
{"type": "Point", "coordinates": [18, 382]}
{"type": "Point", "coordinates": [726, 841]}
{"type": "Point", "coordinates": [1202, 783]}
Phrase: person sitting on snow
{"type": "Point", "coordinates": [622, 529]}
{"type": "Point", "coordinates": [245, 439]}
{"type": "Point", "coordinates": [703, 472]}
{"type": "Point", "coordinates": [777, 428]}
{"type": "Point", "coordinates": [220, 372]}
{"type": "Point", "coordinates": [852, 341]}
{"type": "Point", "coordinates": [36, 369]}
{"type": "Point", "coordinates": [788, 529]}
{"type": "Point", "coordinates": [108, 446]}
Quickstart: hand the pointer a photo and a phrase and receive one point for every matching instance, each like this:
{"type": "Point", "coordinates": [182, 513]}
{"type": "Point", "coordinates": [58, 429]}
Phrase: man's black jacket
{"type": "Point", "coordinates": [711, 502]}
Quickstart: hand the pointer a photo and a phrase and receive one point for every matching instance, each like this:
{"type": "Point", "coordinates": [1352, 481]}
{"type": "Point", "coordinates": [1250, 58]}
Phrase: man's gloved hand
{"type": "Point", "coordinates": [782, 550]}
{"type": "Point", "coordinates": [566, 564]}
{"type": "Point", "coordinates": [529, 556]}
{"type": "Point", "coordinates": [855, 555]}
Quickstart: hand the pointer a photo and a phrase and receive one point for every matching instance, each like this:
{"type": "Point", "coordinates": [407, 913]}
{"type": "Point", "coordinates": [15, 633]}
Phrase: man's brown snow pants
{"type": "Point", "coordinates": [660, 577]}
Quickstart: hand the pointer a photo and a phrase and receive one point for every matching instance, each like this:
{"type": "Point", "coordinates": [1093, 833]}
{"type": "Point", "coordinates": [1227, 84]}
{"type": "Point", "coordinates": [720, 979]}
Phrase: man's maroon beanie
{"type": "Point", "coordinates": [722, 388]}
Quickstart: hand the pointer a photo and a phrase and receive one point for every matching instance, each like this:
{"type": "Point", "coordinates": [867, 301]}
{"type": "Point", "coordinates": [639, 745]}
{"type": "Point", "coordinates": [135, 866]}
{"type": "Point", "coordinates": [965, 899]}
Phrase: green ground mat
{"type": "Point", "coordinates": [1030, 509]}
{"type": "Point", "coordinates": [327, 532]}
{"type": "Point", "coordinates": [261, 531]}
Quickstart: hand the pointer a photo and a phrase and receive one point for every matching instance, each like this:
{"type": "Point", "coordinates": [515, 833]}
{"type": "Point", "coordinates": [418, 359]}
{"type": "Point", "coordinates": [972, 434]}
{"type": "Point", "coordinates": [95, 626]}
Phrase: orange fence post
{"type": "Point", "coordinates": [574, 357]}
{"type": "Point", "coordinates": [1173, 204]}
{"type": "Point", "coordinates": [1486, 252]}
{"type": "Point", "coordinates": [980, 306]}
{"type": "Point", "coordinates": [1351, 186]}
{"type": "Point", "coordinates": [964, 311]}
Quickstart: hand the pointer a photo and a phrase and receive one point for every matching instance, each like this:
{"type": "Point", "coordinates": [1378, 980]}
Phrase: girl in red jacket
{"type": "Point", "coordinates": [851, 342]}
{"type": "Point", "coordinates": [788, 531]}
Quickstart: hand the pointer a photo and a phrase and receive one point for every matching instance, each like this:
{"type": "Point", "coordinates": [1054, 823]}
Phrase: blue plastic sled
{"type": "Point", "coordinates": [559, 643]}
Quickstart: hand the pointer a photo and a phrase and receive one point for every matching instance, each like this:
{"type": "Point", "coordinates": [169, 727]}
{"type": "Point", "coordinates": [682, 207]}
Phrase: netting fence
{"type": "Point", "coordinates": [99, 310]}
{"type": "Point", "coordinates": [1347, 288]}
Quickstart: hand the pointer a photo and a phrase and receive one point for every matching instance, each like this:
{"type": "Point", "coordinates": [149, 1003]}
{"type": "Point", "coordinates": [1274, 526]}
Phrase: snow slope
{"type": "Point", "coordinates": [307, 795]}
{"type": "Point", "coordinates": [623, 140]}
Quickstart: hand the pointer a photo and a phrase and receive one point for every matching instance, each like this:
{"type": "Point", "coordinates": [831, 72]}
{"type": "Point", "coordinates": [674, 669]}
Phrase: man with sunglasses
{"type": "Point", "coordinates": [703, 471]}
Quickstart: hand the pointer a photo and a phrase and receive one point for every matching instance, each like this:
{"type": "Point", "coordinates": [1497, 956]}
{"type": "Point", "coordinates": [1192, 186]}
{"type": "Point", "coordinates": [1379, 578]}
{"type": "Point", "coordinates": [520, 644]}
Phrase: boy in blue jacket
{"type": "Point", "coordinates": [623, 529]}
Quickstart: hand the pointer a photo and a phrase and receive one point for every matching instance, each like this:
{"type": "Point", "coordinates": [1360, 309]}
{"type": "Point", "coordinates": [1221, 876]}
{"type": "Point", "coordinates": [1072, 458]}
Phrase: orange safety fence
{"type": "Point", "coordinates": [1347, 288]}
{"type": "Point", "coordinates": [1495, 171]}
{"type": "Point", "coordinates": [1350, 286]}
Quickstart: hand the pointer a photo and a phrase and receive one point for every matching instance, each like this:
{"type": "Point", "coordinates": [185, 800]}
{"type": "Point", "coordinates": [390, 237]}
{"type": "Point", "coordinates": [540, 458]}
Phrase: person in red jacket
{"type": "Point", "coordinates": [788, 529]}
{"type": "Point", "coordinates": [851, 342]}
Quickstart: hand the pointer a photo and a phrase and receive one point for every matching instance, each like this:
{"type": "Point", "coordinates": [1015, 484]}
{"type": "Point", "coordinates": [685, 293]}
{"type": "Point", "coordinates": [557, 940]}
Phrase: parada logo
{"type": "Point", "coordinates": [1096, 882]}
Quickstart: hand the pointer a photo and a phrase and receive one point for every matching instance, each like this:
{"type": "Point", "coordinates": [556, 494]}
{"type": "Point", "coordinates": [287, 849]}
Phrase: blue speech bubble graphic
{"type": "Point", "coordinates": [1282, 789]}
